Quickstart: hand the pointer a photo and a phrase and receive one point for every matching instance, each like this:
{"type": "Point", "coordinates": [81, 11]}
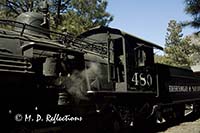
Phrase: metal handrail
{"type": "Point", "coordinates": [89, 46]}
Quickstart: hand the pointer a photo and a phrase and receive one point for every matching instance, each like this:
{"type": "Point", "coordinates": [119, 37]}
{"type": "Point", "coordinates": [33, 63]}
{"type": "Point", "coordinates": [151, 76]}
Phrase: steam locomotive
{"type": "Point", "coordinates": [105, 77]}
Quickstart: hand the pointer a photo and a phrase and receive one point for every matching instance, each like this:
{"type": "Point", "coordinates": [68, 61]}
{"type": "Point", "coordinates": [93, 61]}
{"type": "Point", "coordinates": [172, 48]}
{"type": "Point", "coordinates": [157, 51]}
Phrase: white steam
{"type": "Point", "coordinates": [79, 82]}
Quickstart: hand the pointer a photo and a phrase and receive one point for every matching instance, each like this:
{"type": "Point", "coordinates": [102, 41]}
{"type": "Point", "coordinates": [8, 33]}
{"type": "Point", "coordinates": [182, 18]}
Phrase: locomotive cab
{"type": "Point", "coordinates": [127, 82]}
{"type": "Point", "coordinates": [128, 60]}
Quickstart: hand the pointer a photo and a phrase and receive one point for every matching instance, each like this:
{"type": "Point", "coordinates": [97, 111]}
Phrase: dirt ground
{"type": "Point", "coordinates": [185, 127]}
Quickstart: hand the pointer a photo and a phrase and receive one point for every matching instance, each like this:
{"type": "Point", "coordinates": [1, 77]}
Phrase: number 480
{"type": "Point", "coordinates": [141, 79]}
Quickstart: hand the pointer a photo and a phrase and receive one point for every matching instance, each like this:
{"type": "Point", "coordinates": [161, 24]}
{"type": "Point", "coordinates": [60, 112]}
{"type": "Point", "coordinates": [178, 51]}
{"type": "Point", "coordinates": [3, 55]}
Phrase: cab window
{"type": "Point", "coordinates": [141, 58]}
{"type": "Point", "coordinates": [144, 56]}
{"type": "Point", "coordinates": [119, 60]}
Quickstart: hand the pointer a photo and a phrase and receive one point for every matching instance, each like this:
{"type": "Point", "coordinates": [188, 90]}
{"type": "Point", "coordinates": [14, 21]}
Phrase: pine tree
{"type": "Point", "coordinates": [85, 14]}
{"type": "Point", "coordinates": [193, 8]}
{"type": "Point", "coordinates": [177, 50]}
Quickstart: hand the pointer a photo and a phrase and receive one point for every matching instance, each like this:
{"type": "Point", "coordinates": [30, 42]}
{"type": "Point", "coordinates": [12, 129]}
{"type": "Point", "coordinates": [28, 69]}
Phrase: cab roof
{"type": "Point", "coordinates": [114, 34]}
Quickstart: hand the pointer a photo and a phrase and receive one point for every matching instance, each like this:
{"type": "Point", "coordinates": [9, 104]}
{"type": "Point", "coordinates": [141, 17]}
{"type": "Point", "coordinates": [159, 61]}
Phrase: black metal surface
{"type": "Point", "coordinates": [101, 75]}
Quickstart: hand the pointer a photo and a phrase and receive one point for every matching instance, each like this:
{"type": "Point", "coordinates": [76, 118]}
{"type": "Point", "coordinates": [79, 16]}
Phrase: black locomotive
{"type": "Point", "coordinates": [106, 78]}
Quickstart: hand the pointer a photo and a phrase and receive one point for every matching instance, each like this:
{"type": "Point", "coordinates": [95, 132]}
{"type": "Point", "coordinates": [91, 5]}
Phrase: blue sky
{"type": "Point", "coordinates": [147, 19]}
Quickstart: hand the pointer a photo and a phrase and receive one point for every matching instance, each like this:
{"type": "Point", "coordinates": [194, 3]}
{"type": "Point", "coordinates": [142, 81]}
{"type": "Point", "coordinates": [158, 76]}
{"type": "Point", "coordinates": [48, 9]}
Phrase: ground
{"type": "Point", "coordinates": [185, 127]}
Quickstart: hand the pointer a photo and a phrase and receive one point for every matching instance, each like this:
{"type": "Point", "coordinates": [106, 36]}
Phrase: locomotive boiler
{"type": "Point", "coordinates": [105, 77]}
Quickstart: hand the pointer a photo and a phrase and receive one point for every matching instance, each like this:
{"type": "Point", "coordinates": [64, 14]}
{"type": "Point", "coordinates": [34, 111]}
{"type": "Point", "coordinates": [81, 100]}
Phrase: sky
{"type": "Point", "coordinates": [148, 19]}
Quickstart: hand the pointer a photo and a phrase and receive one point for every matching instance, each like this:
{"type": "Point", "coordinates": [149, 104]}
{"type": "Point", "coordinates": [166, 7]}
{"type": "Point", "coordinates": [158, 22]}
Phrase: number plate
{"type": "Point", "coordinates": [142, 81]}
